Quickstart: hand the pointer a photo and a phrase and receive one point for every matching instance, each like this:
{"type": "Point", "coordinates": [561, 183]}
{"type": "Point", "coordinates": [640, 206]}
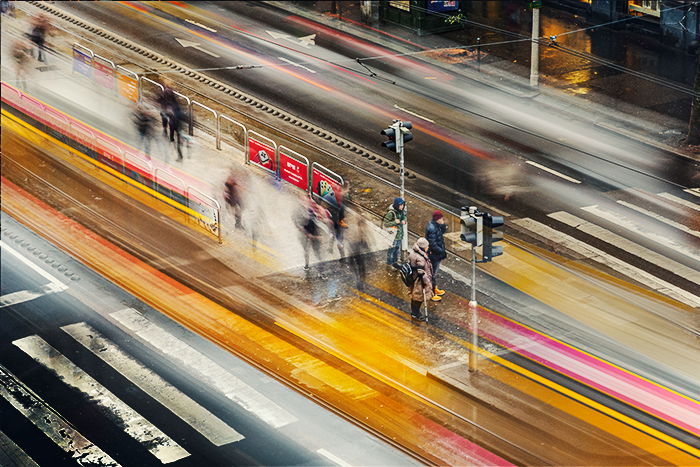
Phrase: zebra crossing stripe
{"type": "Point", "coordinates": [157, 442]}
{"type": "Point", "coordinates": [677, 200]}
{"type": "Point", "coordinates": [631, 225]}
{"type": "Point", "coordinates": [693, 191]}
{"type": "Point", "coordinates": [199, 418]}
{"type": "Point", "coordinates": [675, 224]}
{"type": "Point", "coordinates": [612, 238]}
{"type": "Point", "coordinates": [333, 458]}
{"type": "Point", "coordinates": [211, 372]}
{"type": "Point", "coordinates": [53, 426]}
{"type": "Point", "coordinates": [600, 256]}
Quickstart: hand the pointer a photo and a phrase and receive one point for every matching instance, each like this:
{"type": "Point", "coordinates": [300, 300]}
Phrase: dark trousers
{"type": "Point", "coordinates": [360, 268]}
{"type": "Point", "coordinates": [415, 309]}
{"type": "Point", "coordinates": [175, 131]}
{"type": "Point", "coordinates": [436, 267]}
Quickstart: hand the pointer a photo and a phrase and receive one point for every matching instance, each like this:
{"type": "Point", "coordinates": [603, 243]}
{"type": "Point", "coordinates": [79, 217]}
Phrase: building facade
{"type": "Point", "coordinates": [677, 22]}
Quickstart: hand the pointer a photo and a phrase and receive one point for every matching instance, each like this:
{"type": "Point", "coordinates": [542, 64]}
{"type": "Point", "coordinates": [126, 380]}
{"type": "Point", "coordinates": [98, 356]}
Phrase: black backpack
{"type": "Point", "coordinates": [408, 275]}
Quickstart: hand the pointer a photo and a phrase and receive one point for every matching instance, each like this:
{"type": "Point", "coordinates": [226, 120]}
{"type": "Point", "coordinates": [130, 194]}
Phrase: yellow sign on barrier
{"type": "Point", "coordinates": [128, 87]}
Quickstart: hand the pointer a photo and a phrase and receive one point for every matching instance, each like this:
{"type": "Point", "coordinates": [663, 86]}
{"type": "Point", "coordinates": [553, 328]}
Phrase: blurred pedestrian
{"type": "Point", "coordinates": [144, 120]}
{"type": "Point", "coordinates": [423, 283]}
{"type": "Point", "coordinates": [312, 222]}
{"type": "Point", "coordinates": [337, 216]}
{"type": "Point", "coordinates": [234, 187]}
{"type": "Point", "coordinates": [434, 233]}
{"type": "Point", "coordinates": [40, 28]}
{"type": "Point", "coordinates": [21, 51]}
{"type": "Point", "coordinates": [176, 120]}
{"type": "Point", "coordinates": [359, 247]}
{"type": "Point", "coordinates": [394, 222]}
{"type": "Point", "coordinates": [168, 104]}
{"type": "Point", "coordinates": [7, 7]}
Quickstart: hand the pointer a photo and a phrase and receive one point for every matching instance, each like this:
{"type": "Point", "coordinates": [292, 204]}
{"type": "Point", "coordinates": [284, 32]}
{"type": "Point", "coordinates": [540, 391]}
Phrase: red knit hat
{"type": "Point", "coordinates": [437, 215]}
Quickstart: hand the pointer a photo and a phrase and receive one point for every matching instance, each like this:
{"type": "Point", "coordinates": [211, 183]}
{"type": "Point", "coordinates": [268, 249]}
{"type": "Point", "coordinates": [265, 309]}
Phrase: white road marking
{"type": "Point", "coordinates": [552, 171]}
{"type": "Point", "coordinates": [200, 25]}
{"type": "Point", "coordinates": [646, 212]}
{"type": "Point", "coordinates": [34, 267]}
{"type": "Point", "coordinates": [299, 65]}
{"type": "Point", "coordinates": [22, 296]}
{"type": "Point", "coordinates": [414, 114]}
{"type": "Point", "coordinates": [307, 41]}
{"type": "Point", "coordinates": [199, 418]}
{"type": "Point", "coordinates": [625, 244]}
{"type": "Point", "coordinates": [333, 458]}
{"type": "Point", "coordinates": [51, 424]}
{"type": "Point", "coordinates": [631, 225]}
{"type": "Point", "coordinates": [157, 442]}
{"type": "Point", "coordinates": [304, 41]}
{"type": "Point", "coordinates": [599, 256]}
{"type": "Point", "coordinates": [678, 200]}
{"type": "Point", "coordinates": [195, 45]}
{"type": "Point", "coordinates": [54, 285]}
{"type": "Point", "coordinates": [693, 191]}
{"type": "Point", "coordinates": [210, 372]}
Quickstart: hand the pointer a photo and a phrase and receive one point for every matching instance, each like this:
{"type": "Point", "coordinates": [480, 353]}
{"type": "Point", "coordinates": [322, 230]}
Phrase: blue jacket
{"type": "Point", "coordinates": [434, 233]}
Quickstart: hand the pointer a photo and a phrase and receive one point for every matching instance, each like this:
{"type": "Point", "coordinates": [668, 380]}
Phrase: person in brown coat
{"type": "Point", "coordinates": [423, 284]}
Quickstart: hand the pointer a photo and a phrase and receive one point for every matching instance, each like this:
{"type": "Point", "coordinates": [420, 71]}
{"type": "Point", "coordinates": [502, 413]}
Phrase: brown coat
{"type": "Point", "coordinates": [423, 286]}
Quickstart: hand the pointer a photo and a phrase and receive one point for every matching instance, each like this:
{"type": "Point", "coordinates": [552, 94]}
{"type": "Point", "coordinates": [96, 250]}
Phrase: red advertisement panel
{"type": "Point", "coordinates": [261, 154]}
{"type": "Point", "coordinates": [294, 171]}
{"type": "Point", "coordinates": [103, 74]}
{"type": "Point", "coordinates": [325, 186]}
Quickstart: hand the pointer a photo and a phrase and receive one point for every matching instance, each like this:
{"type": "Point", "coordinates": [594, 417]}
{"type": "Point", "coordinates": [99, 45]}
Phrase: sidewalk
{"type": "Point", "coordinates": [508, 76]}
{"type": "Point", "coordinates": [371, 328]}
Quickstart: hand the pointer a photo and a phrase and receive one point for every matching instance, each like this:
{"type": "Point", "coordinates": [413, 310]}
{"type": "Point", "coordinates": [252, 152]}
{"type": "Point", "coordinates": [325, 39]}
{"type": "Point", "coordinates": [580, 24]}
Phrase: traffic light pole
{"type": "Point", "coordinates": [399, 142]}
{"type": "Point", "coordinates": [535, 52]}
{"type": "Point", "coordinates": [474, 319]}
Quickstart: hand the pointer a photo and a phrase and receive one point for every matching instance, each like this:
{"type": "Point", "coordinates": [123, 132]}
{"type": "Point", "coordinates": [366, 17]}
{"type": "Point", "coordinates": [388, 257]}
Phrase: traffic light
{"type": "Point", "coordinates": [391, 134]}
{"type": "Point", "coordinates": [492, 234]}
{"type": "Point", "coordinates": [472, 227]}
{"type": "Point", "coordinates": [398, 134]}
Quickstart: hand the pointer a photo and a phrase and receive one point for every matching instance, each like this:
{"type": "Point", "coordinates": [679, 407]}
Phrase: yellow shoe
{"type": "Point", "coordinates": [439, 292]}
{"type": "Point", "coordinates": [436, 298]}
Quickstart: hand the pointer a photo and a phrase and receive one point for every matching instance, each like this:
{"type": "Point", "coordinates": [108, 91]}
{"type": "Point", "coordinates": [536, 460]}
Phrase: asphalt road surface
{"type": "Point", "coordinates": [90, 374]}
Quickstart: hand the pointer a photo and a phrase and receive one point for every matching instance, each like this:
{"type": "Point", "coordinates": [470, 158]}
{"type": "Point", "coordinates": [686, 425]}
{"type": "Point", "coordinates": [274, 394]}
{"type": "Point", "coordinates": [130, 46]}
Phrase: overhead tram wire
{"type": "Point", "coordinates": [543, 40]}
{"type": "Point", "coordinates": [508, 125]}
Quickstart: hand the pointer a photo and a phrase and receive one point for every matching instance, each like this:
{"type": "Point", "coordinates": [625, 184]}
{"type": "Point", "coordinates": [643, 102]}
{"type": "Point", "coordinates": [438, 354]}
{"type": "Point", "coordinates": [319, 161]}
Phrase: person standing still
{"type": "Point", "coordinates": [435, 234]}
{"type": "Point", "coordinates": [423, 283]}
{"type": "Point", "coordinates": [395, 221]}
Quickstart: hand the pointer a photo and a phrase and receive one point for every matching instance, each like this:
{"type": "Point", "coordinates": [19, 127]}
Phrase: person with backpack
{"type": "Point", "coordinates": [422, 287]}
{"type": "Point", "coordinates": [394, 221]}
{"type": "Point", "coordinates": [434, 233]}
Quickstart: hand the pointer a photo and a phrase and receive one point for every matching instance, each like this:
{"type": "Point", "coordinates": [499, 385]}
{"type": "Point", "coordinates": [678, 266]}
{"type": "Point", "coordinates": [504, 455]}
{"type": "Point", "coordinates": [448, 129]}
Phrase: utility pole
{"type": "Point", "coordinates": [535, 51]}
{"type": "Point", "coordinates": [694, 125]}
{"type": "Point", "coordinates": [399, 134]}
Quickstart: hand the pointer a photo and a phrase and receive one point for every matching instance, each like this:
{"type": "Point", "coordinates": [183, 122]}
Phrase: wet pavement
{"type": "Point", "coordinates": [315, 300]}
{"type": "Point", "coordinates": [626, 46]}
